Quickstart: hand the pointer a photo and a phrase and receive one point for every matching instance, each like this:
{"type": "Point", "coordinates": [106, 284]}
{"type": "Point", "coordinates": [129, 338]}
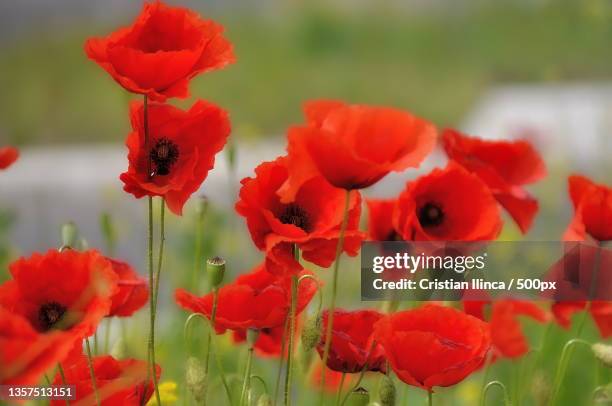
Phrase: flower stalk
{"type": "Point", "coordinates": [332, 306]}
{"type": "Point", "coordinates": [292, 311]}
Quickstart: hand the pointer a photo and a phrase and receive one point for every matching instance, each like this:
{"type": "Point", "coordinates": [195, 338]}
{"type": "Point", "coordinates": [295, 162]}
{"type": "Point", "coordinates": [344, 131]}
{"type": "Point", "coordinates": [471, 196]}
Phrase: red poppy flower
{"type": "Point", "coordinates": [132, 293]}
{"type": "Point", "coordinates": [269, 341]}
{"type": "Point", "coordinates": [504, 166]}
{"type": "Point", "coordinates": [380, 219]}
{"type": "Point", "coordinates": [447, 204]}
{"type": "Point", "coordinates": [312, 219]}
{"type": "Point", "coordinates": [256, 300]}
{"type": "Point", "coordinates": [42, 292]}
{"type": "Point", "coordinates": [433, 345]}
{"type": "Point", "coordinates": [506, 332]}
{"type": "Point", "coordinates": [25, 353]}
{"type": "Point", "coordinates": [161, 51]}
{"type": "Point", "coordinates": [8, 155]}
{"type": "Point", "coordinates": [354, 146]}
{"type": "Point", "coordinates": [601, 312]}
{"type": "Point", "coordinates": [351, 344]}
{"type": "Point", "coordinates": [592, 210]}
{"type": "Point", "coordinates": [118, 382]}
{"type": "Point", "coordinates": [180, 152]}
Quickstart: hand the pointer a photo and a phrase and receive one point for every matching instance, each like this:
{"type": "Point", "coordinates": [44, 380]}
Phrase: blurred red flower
{"type": "Point", "coordinates": [256, 300]}
{"type": "Point", "coordinates": [25, 353]}
{"type": "Point", "coordinates": [311, 219]}
{"type": "Point", "coordinates": [354, 146]}
{"type": "Point", "coordinates": [161, 51]}
{"type": "Point", "coordinates": [505, 166]}
{"type": "Point", "coordinates": [69, 291]}
{"type": "Point", "coordinates": [592, 210]}
{"type": "Point", "coordinates": [132, 293]}
{"type": "Point", "coordinates": [433, 345]}
{"type": "Point", "coordinates": [601, 312]}
{"type": "Point", "coordinates": [8, 155]}
{"type": "Point", "coordinates": [124, 382]}
{"type": "Point", "coordinates": [380, 219]}
{"type": "Point", "coordinates": [180, 152]}
{"type": "Point", "coordinates": [447, 204]}
{"type": "Point", "coordinates": [506, 332]}
{"type": "Point", "coordinates": [351, 345]}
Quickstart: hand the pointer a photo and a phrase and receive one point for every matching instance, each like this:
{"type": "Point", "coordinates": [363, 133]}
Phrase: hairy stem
{"type": "Point", "coordinates": [332, 306]}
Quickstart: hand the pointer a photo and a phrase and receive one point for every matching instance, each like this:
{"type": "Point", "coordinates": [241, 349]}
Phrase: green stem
{"type": "Point", "coordinates": [562, 368]}
{"type": "Point", "coordinates": [198, 250]}
{"type": "Point", "coordinates": [91, 371]}
{"type": "Point", "coordinates": [361, 373]}
{"type": "Point", "coordinates": [490, 385]}
{"type": "Point", "coordinates": [339, 393]}
{"type": "Point", "coordinates": [332, 306]}
{"type": "Point", "coordinates": [292, 310]}
{"type": "Point", "coordinates": [152, 372]}
{"type": "Point", "coordinates": [247, 375]}
{"type": "Point", "coordinates": [485, 375]}
{"type": "Point", "coordinates": [213, 315]}
{"type": "Point", "coordinates": [280, 360]}
{"type": "Point", "coordinates": [63, 376]}
{"type": "Point", "coordinates": [430, 398]}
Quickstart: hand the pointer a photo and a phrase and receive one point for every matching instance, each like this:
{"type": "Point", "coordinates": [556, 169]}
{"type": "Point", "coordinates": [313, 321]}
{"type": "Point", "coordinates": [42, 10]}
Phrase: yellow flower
{"type": "Point", "coordinates": [167, 394]}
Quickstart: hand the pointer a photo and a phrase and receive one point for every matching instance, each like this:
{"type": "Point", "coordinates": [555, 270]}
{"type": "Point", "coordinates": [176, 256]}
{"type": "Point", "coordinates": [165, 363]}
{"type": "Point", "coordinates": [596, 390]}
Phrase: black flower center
{"type": "Point", "coordinates": [163, 155]}
{"type": "Point", "coordinates": [50, 314]}
{"type": "Point", "coordinates": [430, 215]}
{"type": "Point", "coordinates": [294, 214]}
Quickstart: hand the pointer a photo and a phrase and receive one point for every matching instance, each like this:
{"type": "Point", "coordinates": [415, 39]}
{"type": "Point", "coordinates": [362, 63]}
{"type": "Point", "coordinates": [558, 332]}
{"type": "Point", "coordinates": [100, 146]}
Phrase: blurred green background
{"type": "Point", "coordinates": [434, 58]}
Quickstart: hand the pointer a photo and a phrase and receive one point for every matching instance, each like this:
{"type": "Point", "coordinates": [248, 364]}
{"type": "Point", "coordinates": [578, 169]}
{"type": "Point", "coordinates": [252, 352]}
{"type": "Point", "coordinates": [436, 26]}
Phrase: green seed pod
{"type": "Point", "coordinates": [603, 352]}
{"type": "Point", "coordinates": [311, 333]}
{"type": "Point", "coordinates": [386, 391]}
{"type": "Point", "coordinates": [69, 235]}
{"type": "Point", "coordinates": [264, 400]}
{"type": "Point", "coordinates": [358, 397]}
{"type": "Point", "coordinates": [195, 379]}
{"type": "Point", "coordinates": [215, 269]}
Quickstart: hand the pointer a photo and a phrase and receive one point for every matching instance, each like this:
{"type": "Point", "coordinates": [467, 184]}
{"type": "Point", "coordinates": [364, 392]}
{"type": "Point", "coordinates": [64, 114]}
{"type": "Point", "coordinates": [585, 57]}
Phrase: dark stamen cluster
{"type": "Point", "coordinates": [163, 155]}
{"type": "Point", "coordinates": [50, 314]}
{"type": "Point", "coordinates": [430, 215]}
{"type": "Point", "coordinates": [294, 214]}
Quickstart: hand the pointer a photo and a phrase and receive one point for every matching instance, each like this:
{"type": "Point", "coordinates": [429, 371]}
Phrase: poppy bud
{"type": "Point", "coordinates": [215, 269]}
{"type": "Point", "coordinates": [264, 400]}
{"type": "Point", "coordinates": [195, 379]}
{"type": "Point", "coordinates": [386, 391]}
{"type": "Point", "coordinates": [69, 235]}
{"type": "Point", "coordinates": [119, 350]}
{"type": "Point", "coordinates": [311, 333]}
{"type": "Point", "coordinates": [358, 397]}
{"type": "Point", "coordinates": [603, 352]}
{"type": "Point", "coordinates": [201, 205]}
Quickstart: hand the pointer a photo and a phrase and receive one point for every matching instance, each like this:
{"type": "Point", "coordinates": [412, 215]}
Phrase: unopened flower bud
{"type": "Point", "coordinates": [264, 400]}
{"type": "Point", "coordinates": [195, 379]}
{"type": "Point", "coordinates": [215, 269]}
{"type": "Point", "coordinates": [386, 391]}
{"type": "Point", "coordinates": [69, 235]}
{"type": "Point", "coordinates": [358, 397]}
{"type": "Point", "coordinates": [311, 332]}
{"type": "Point", "coordinates": [603, 352]}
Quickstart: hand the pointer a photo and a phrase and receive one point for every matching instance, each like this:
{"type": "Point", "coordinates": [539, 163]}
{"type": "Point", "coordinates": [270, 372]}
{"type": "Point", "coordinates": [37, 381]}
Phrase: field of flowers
{"type": "Point", "coordinates": [291, 329]}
